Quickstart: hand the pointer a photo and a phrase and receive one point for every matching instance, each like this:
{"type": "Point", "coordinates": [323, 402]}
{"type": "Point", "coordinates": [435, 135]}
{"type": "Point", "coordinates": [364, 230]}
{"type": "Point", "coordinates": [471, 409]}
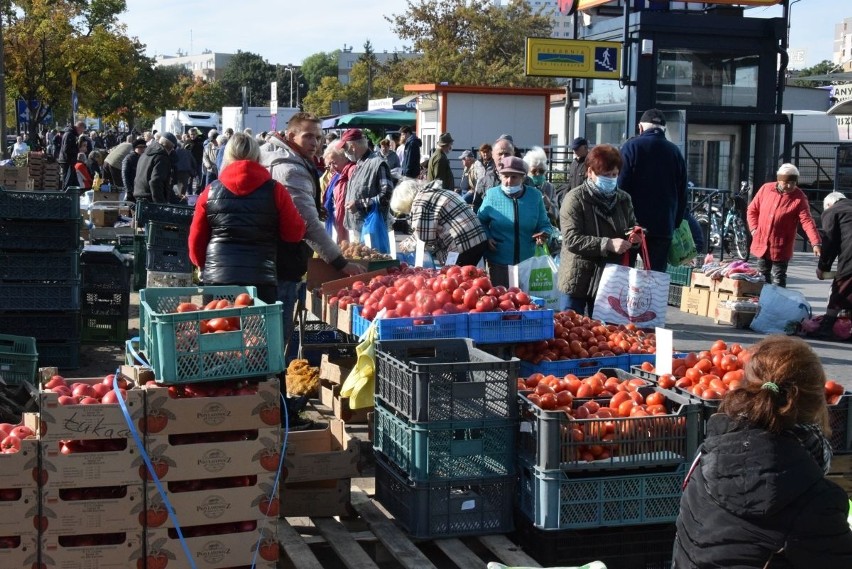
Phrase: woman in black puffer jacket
{"type": "Point", "coordinates": [756, 495]}
{"type": "Point", "coordinates": [239, 220]}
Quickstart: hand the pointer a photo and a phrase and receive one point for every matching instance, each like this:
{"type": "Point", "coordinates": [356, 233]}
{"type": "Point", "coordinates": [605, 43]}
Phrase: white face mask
{"type": "Point", "coordinates": [511, 190]}
{"type": "Point", "coordinates": [351, 157]}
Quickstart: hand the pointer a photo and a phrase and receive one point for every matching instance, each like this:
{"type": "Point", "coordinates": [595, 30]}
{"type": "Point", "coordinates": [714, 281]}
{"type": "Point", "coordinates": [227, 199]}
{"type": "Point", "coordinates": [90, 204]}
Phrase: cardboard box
{"type": "Point", "coordinates": [258, 455]}
{"type": "Point", "coordinates": [105, 196]}
{"type": "Point", "coordinates": [324, 498]}
{"type": "Point", "coordinates": [122, 555]}
{"type": "Point", "coordinates": [103, 217]}
{"type": "Point", "coordinates": [82, 422]}
{"type": "Point", "coordinates": [739, 287]}
{"type": "Point", "coordinates": [701, 280]}
{"type": "Point", "coordinates": [167, 416]}
{"type": "Point", "coordinates": [88, 469]}
{"type": "Point", "coordinates": [715, 299]}
{"type": "Point", "coordinates": [330, 397]}
{"type": "Point", "coordinates": [735, 318]}
{"type": "Point", "coordinates": [216, 551]}
{"type": "Point", "coordinates": [20, 469]}
{"type": "Point", "coordinates": [695, 300]}
{"type": "Point", "coordinates": [323, 278]}
{"type": "Point", "coordinates": [336, 370]}
{"type": "Point", "coordinates": [213, 506]}
{"type": "Point", "coordinates": [25, 551]}
{"type": "Point", "coordinates": [67, 513]}
{"type": "Point", "coordinates": [325, 454]}
{"type": "Point", "coordinates": [17, 510]}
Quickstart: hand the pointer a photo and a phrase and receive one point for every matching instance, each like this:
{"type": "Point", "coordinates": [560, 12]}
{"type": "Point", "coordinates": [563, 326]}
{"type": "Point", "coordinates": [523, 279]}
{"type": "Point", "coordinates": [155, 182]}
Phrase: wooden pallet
{"type": "Point", "coordinates": [305, 542]}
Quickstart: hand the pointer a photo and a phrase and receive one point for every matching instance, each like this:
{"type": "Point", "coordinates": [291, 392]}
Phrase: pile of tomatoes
{"type": "Point", "coordinates": [218, 324]}
{"type": "Point", "coordinates": [579, 337]}
{"type": "Point", "coordinates": [417, 293]}
{"type": "Point", "coordinates": [89, 392]}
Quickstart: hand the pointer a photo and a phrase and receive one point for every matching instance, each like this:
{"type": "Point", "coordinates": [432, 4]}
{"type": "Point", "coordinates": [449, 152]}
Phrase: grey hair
{"type": "Point", "coordinates": [333, 149]}
{"type": "Point", "coordinates": [404, 194]}
{"type": "Point", "coordinates": [221, 139]}
{"type": "Point", "coordinates": [832, 199]}
{"type": "Point", "coordinates": [241, 146]}
{"type": "Point", "coordinates": [787, 170]}
{"type": "Point", "coordinates": [536, 158]}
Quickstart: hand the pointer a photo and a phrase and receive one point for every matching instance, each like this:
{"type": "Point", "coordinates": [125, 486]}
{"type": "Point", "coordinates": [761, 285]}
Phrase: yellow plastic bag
{"type": "Point", "coordinates": [360, 384]}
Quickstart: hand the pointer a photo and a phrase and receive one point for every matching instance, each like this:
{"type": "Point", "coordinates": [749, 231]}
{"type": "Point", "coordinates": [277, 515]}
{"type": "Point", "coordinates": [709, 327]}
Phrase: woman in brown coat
{"type": "Point", "coordinates": [596, 219]}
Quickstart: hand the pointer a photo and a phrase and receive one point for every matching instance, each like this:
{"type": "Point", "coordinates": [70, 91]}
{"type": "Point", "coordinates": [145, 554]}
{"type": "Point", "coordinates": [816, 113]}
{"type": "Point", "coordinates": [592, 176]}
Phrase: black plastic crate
{"type": "Point", "coordinates": [41, 296]}
{"type": "Point", "coordinates": [40, 205]}
{"type": "Point", "coordinates": [105, 303]}
{"type": "Point", "coordinates": [64, 355]}
{"type": "Point", "coordinates": [439, 509]}
{"type": "Point", "coordinates": [38, 235]}
{"type": "Point", "coordinates": [168, 260]}
{"type": "Point", "coordinates": [39, 265]}
{"type": "Point", "coordinates": [98, 329]}
{"type": "Point", "coordinates": [97, 277]}
{"type": "Point", "coordinates": [641, 547]}
{"type": "Point", "coordinates": [675, 294]}
{"type": "Point", "coordinates": [165, 213]}
{"type": "Point", "coordinates": [319, 338]}
{"type": "Point", "coordinates": [167, 235]}
{"type": "Point", "coordinates": [140, 253]}
{"type": "Point", "coordinates": [43, 326]}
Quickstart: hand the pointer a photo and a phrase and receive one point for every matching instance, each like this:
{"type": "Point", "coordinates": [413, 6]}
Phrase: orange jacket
{"type": "Point", "coordinates": [775, 217]}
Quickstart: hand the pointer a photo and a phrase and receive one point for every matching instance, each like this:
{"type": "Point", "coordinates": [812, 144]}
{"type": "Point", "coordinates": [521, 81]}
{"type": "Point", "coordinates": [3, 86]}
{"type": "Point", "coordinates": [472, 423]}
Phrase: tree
{"type": "Point", "coordinates": [200, 95]}
{"type": "Point", "coordinates": [250, 70]}
{"type": "Point", "coordinates": [319, 65]}
{"type": "Point", "coordinates": [319, 101]}
{"type": "Point", "coordinates": [371, 64]}
{"type": "Point", "coordinates": [470, 42]}
{"type": "Point", "coordinates": [824, 67]}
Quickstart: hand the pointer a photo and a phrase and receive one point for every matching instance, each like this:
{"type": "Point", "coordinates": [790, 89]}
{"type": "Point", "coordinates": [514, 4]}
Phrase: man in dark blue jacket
{"type": "Point", "coordinates": [411, 153]}
{"type": "Point", "coordinates": [654, 174]}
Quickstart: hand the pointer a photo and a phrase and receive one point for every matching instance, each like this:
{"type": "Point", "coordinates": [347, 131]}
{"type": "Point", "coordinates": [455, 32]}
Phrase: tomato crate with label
{"type": "Point", "coordinates": [555, 500]}
{"type": "Point", "coordinates": [117, 550]}
{"type": "Point", "coordinates": [214, 545]}
{"type": "Point", "coordinates": [445, 380]}
{"type": "Point", "coordinates": [664, 429]}
{"type": "Point", "coordinates": [446, 450]}
{"type": "Point", "coordinates": [446, 508]}
{"type": "Point", "coordinates": [236, 342]}
{"type": "Point", "coordinates": [95, 510]}
{"type": "Point", "coordinates": [88, 463]}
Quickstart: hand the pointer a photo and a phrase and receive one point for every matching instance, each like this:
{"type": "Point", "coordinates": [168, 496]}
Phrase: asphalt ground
{"type": "Point", "coordinates": [695, 333]}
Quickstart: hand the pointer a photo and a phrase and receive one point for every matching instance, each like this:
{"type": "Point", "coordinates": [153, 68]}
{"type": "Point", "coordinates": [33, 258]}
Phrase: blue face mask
{"type": "Point", "coordinates": [511, 190]}
{"type": "Point", "coordinates": [606, 185]}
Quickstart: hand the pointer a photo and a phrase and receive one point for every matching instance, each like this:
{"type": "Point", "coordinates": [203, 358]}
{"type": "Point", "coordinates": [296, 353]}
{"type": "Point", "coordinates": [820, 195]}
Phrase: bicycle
{"type": "Point", "coordinates": [732, 234]}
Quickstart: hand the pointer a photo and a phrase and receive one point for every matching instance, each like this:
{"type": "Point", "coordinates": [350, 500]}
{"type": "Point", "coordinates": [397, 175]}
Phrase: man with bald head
{"type": "Point", "coordinates": [502, 147]}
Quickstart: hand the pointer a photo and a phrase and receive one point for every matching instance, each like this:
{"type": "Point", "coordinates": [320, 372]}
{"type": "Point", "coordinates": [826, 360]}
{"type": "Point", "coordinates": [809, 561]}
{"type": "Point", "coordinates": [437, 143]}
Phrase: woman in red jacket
{"type": "Point", "coordinates": [773, 215]}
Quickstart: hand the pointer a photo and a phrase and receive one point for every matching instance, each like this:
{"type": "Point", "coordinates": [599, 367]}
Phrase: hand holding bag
{"type": "Point", "coordinates": [537, 276]}
{"type": "Point", "coordinates": [632, 296]}
{"type": "Point", "coordinates": [376, 227]}
{"type": "Point", "coordinates": [682, 250]}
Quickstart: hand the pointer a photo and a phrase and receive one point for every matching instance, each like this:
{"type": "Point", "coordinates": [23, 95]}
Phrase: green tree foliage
{"type": "Point", "coordinates": [199, 95]}
{"type": "Point", "coordinates": [319, 65]}
{"type": "Point", "coordinates": [250, 70]}
{"type": "Point", "coordinates": [470, 42]}
{"type": "Point", "coordinates": [822, 68]}
{"type": "Point", "coordinates": [318, 101]}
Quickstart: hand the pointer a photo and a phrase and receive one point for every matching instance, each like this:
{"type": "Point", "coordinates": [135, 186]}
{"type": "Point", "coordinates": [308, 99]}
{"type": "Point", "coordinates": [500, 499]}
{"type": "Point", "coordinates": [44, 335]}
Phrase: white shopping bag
{"type": "Point", "coordinates": [632, 296]}
{"type": "Point", "coordinates": [538, 276]}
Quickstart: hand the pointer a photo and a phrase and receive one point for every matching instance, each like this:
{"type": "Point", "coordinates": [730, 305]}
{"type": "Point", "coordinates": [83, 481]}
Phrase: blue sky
{"type": "Point", "coordinates": [288, 31]}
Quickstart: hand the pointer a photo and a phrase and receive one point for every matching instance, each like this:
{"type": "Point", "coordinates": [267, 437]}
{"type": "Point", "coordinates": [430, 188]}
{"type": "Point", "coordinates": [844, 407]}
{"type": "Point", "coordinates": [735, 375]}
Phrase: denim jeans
{"type": "Point", "coordinates": [289, 292]}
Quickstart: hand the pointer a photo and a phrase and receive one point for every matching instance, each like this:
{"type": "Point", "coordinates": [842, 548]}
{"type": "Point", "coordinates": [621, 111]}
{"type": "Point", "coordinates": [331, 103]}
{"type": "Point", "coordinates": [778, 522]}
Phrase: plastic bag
{"type": "Point", "coordinates": [376, 227]}
{"type": "Point", "coordinates": [360, 383]}
{"type": "Point", "coordinates": [537, 276]}
{"type": "Point", "coordinates": [682, 249]}
{"type": "Point", "coordinates": [780, 308]}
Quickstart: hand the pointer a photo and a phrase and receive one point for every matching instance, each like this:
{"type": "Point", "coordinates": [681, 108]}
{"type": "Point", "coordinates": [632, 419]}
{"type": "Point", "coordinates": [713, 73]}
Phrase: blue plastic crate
{"type": "Point", "coordinates": [445, 380]}
{"type": "Point", "coordinates": [579, 367]}
{"type": "Point", "coordinates": [180, 353]}
{"type": "Point", "coordinates": [38, 235]}
{"type": "Point", "coordinates": [445, 450]}
{"type": "Point", "coordinates": [39, 265]}
{"type": "Point", "coordinates": [446, 508]}
{"type": "Point", "coordinates": [40, 205]}
{"type": "Point", "coordinates": [421, 328]}
{"type": "Point", "coordinates": [510, 327]}
{"type": "Point", "coordinates": [40, 296]}
{"type": "Point", "coordinates": [547, 441]}
{"type": "Point", "coordinates": [18, 359]}
{"type": "Point", "coordinates": [552, 500]}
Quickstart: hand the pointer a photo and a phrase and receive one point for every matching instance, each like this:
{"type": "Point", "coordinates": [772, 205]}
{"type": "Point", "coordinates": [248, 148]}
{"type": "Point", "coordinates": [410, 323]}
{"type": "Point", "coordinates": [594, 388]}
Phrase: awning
{"type": "Point", "coordinates": [379, 118]}
{"type": "Point", "coordinates": [329, 123]}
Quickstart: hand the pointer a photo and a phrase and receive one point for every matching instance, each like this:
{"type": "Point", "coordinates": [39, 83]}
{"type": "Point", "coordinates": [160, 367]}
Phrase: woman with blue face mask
{"type": "Point", "coordinates": [513, 214]}
{"type": "Point", "coordinates": [596, 219]}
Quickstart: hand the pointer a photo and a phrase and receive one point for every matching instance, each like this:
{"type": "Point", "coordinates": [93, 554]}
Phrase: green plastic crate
{"type": "Point", "coordinates": [446, 450]}
{"type": "Point", "coordinates": [552, 500]}
{"type": "Point", "coordinates": [679, 275]}
{"type": "Point", "coordinates": [140, 253]}
{"type": "Point", "coordinates": [180, 353]}
{"type": "Point", "coordinates": [18, 359]}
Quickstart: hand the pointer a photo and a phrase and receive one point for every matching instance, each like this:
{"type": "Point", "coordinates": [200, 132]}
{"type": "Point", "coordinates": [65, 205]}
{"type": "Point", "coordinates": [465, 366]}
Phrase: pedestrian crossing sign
{"type": "Point", "coordinates": [549, 57]}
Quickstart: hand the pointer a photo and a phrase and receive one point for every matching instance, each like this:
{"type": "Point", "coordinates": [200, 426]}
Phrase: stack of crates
{"type": "Point", "coordinates": [19, 497]}
{"type": "Point", "coordinates": [167, 256]}
{"type": "Point", "coordinates": [172, 215]}
{"type": "Point", "coordinates": [679, 278]}
{"type": "Point", "coordinates": [444, 436]}
{"type": "Point", "coordinates": [40, 272]}
{"type": "Point", "coordinates": [583, 473]}
{"type": "Point", "coordinates": [106, 295]}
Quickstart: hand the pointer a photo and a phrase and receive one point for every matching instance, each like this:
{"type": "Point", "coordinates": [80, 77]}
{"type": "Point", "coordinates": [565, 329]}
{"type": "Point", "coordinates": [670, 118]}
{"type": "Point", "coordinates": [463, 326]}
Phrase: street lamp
{"type": "Point", "coordinates": [289, 68]}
